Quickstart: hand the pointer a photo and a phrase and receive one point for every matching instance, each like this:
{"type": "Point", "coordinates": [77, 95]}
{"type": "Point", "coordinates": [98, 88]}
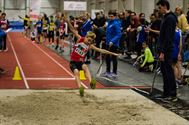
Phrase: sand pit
{"type": "Point", "coordinates": [66, 107]}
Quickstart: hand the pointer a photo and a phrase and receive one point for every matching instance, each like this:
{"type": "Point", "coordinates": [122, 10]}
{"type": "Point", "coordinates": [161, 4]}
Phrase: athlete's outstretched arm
{"type": "Point", "coordinates": [73, 30]}
{"type": "Point", "coordinates": [103, 50]}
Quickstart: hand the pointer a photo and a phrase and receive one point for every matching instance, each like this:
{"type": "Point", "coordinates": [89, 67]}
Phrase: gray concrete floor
{"type": "Point", "coordinates": [130, 76]}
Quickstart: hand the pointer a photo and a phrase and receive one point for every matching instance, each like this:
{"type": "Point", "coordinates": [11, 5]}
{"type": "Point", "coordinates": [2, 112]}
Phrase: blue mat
{"type": "Point", "coordinates": [17, 26]}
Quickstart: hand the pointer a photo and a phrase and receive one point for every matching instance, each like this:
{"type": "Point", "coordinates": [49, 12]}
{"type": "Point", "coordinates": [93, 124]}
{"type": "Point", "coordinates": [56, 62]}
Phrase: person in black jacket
{"type": "Point", "coordinates": [167, 32]}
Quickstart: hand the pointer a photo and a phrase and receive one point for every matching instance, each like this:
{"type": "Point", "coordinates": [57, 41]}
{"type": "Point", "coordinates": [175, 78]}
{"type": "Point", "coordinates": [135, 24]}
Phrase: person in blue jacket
{"type": "Point", "coordinates": [113, 35]}
{"type": "Point", "coordinates": [2, 35]}
{"type": "Point", "coordinates": [87, 25]}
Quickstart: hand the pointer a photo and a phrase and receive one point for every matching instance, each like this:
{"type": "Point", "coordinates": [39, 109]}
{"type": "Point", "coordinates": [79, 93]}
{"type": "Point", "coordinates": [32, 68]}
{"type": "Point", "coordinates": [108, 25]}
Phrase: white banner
{"type": "Point", "coordinates": [35, 6]}
{"type": "Point", "coordinates": [73, 5]}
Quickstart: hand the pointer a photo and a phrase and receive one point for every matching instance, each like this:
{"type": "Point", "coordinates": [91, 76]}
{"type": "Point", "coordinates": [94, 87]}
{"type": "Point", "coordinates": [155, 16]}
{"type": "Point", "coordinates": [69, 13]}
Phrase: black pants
{"type": "Point", "coordinates": [138, 48]}
{"type": "Point", "coordinates": [146, 67]}
{"type": "Point", "coordinates": [169, 84]}
{"type": "Point", "coordinates": [51, 36]}
{"type": "Point", "coordinates": [112, 58]}
{"type": "Point", "coordinates": [4, 43]}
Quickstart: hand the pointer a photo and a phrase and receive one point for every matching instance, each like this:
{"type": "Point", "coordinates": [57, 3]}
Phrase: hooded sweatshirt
{"type": "Point", "coordinates": [167, 33]}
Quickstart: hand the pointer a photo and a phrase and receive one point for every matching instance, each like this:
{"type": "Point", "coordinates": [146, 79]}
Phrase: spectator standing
{"type": "Point", "coordinates": [57, 33]}
{"type": "Point", "coordinates": [87, 24]}
{"type": "Point", "coordinates": [98, 23]}
{"type": "Point", "coordinates": [153, 37]}
{"type": "Point", "coordinates": [39, 26]}
{"type": "Point", "coordinates": [141, 36]}
{"type": "Point", "coordinates": [167, 33]}
{"type": "Point", "coordinates": [113, 35]}
{"type": "Point", "coordinates": [4, 24]}
{"type": "Point", "coordinates": [2, 34]}
{"type": "Point", "coordinates": [131, 34]}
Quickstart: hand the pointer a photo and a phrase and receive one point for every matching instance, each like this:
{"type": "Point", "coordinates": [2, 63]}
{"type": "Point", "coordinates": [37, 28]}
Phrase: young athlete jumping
{"type": "Point", "coordinates": [82, 46]}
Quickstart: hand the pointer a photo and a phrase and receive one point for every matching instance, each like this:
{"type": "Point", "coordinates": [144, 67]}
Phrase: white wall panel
{"type": "Point", "coordinates": [114, 4]}
{"type": "Point", "coordinates": [1, 5]}
{"type": "Point", "coordinates": [13, 8]}
{"type": "Point", "coordinates": [12, 15]}
{"type": "Point", "coordinates": [175, 3]}
{"type": "Point", "coordinates": [15, 4]}
{"type": "Point", "coordinates": [148, 7]}
{"type": "Point", "coordinates": [50, 6]}
{"type": "Point", "coordinates": [121, 5]}
{"type": "Point", "coordinates": [129, 5]}
{"type": "Point", "coordinates": [185, 6]}
{"type": "Point", "coordinates": [101, 5]}
{"type": "Point", "coordinates": [138, 6]}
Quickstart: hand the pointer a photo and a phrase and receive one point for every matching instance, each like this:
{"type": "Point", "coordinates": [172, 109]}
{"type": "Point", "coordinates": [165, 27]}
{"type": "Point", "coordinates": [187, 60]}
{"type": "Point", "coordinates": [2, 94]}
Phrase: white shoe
{"type": "Point", "coordinates": [151, 67]}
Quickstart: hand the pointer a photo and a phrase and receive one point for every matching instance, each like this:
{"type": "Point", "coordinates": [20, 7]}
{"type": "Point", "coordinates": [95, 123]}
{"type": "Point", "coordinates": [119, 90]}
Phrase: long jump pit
{"type": "Point", "coordinates": [97, 107]}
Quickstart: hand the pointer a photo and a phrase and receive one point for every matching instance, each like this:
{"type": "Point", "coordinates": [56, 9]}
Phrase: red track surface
{"type": "Point", "coordinates": [41, 67]}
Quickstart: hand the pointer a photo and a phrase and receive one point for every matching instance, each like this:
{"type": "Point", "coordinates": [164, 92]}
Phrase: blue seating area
{"type": "Point", "coordinates": [17, 26]}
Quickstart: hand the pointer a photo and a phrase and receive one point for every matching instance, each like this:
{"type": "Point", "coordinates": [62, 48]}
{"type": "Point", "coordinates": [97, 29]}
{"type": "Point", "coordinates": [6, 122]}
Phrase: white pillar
{"type": "Point", "coordinates": [185, 6]}
{"type": "Point", "coordinates": [175, 3]}
{"type": "Point", "coordinates": [114, 5]}
{"type": "Point", "coordinates": [27, 7]}
{"type": "Point", "coordinates": [2, 5]}
{"type": "Point", "coordinates": [129, 5]}
{"type": "Point", "coordinates": [61, 5]}
{"type": "Point", "coordinates": [147, 7]}
{"type": "Point", "coordinates": [138, 6]}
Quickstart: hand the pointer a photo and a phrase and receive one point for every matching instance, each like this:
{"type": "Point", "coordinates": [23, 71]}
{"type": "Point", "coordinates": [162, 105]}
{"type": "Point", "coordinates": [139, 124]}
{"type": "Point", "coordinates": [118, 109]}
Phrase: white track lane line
{"type": "Point", "coordinates": [56, 79]}
{"type": "Point", "coordinates": [55, 61]}
{"type": "Point", "coordinates": [19, 65]}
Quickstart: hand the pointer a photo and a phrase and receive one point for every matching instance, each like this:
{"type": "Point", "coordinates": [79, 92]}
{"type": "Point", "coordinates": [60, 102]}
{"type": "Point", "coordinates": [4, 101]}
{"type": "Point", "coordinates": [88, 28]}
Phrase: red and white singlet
{"type": "Point", "coordinates": [80, 50]}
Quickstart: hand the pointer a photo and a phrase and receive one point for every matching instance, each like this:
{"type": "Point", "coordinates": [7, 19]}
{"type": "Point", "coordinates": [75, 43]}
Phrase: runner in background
{"type": "Point", "coordinates": [27, 25]}
{"type": "Point", "coordinates": [39, 26]}
{"type": "Point", "coordinates": [51, 30]}
{"type": "Point", "coordinates": [4, 24]}
{"type": "Point", "coordinates": [45, 21]}
{"type": "Point", "coordinates": [57, 33]}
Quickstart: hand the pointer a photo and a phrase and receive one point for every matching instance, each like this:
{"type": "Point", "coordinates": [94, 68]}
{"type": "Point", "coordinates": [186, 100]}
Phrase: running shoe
{"type": "Point", "coordinates": [81, 91]}
{"type": "Point", "coordinates": [105, 74]}
{"type": "Point", "coordinates": [114, 75]}
{"type": "Point", "coordinates": [93, 83]}
{"type": "Point", "coordinates": [170, 99]}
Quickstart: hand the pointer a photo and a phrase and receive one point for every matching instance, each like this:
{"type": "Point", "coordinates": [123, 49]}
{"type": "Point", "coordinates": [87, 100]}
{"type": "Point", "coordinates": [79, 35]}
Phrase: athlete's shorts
{"type": "Point", "coordinates": [76, 65]}
{"type": "Point", "coordinates": [51, 34]}
{"type": "Point", "coordinates": [44, 30]}
{"type": "Point", "coordinates": [39, 32]}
